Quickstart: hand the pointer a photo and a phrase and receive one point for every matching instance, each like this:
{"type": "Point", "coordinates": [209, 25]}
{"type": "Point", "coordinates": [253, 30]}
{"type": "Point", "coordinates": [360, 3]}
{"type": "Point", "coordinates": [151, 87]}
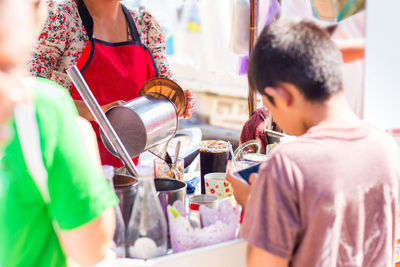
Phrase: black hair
{"type": "Point", "coordinates": [299, 53]}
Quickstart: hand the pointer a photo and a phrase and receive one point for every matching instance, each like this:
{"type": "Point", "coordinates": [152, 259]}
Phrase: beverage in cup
{"type": "Point", "coordinates": [173, 170]}
{"type": "Point", "coordinates": [213, 158]}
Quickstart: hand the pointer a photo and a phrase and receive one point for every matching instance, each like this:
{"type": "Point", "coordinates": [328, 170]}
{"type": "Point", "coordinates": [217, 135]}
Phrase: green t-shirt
{"type": "Point", "coordinates": [78, 191]}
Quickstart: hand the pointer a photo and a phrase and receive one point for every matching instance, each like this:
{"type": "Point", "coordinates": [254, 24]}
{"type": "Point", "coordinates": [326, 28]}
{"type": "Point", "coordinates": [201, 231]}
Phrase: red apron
{"type": "Point", "coordinates": [115, 71]}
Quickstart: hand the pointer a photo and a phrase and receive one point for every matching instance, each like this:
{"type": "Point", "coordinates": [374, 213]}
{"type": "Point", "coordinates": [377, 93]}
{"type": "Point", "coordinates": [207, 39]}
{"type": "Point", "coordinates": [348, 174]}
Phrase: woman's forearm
{"type": "Point", "coordinates": [83, 110]}
{"type": "Point", "coordinates": [85, 113]}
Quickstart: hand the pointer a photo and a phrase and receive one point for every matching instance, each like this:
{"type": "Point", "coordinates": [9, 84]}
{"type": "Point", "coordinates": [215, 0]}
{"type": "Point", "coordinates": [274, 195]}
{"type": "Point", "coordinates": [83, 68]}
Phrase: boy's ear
{"type": "Point", "coordinates": [280, 94]}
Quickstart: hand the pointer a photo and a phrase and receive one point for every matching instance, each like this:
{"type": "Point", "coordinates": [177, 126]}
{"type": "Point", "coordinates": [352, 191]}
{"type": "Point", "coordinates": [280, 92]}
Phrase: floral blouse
{"type": "Point", "coordinates": [64, 38]}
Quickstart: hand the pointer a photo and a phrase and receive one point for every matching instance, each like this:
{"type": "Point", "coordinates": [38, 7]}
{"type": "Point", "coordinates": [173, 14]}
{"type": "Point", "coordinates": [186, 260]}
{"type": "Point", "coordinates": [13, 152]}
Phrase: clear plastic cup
{"type": "Point", "coordinates": [165, 170]}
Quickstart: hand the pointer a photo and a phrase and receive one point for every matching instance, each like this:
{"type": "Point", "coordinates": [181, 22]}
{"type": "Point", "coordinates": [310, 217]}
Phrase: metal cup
{"type": "Point", "coordinates": [169, 190]}
{"type": "Point", "coordinates": [125, 187]}
{"type": "Point", "coordinates": [197, 200]}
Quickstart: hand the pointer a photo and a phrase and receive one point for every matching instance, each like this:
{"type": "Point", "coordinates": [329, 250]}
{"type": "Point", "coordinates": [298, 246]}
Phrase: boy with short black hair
{"type": "Point", "coordinates": [330, 197]}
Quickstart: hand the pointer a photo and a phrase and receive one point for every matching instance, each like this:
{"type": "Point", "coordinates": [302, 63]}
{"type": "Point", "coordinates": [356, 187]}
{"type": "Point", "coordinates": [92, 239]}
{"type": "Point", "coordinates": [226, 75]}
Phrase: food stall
{"type": "Point", "coordinates": [145, 202]}
{"type": "Point", "coordinates": [231, 253]}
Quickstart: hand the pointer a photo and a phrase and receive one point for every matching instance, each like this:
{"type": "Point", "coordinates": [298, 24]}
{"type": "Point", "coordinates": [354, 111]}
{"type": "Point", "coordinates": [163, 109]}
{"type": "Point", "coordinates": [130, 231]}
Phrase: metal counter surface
{"type": "Point", "coordinates": [228, 254]}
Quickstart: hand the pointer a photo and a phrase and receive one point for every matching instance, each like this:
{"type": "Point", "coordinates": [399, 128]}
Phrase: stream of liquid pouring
{"type": "Point", "coordinates": [168, 158]}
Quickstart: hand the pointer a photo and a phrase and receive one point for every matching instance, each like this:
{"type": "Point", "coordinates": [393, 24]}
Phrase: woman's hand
{"type": "Point", "coordinates": [241, 189]}
{"type": "Point", "coordinates": [190, 104]}
{"type": "Point", "coordinates": [113, 104]}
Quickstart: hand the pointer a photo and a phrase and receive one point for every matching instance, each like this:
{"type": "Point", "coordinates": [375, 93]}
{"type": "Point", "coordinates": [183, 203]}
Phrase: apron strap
{"type": "Point", "coordinates": [85, 17]}
{"type": "Point", "coordinates": [28, 134]}
{"type": "Point", "coordinates": [131, 24]}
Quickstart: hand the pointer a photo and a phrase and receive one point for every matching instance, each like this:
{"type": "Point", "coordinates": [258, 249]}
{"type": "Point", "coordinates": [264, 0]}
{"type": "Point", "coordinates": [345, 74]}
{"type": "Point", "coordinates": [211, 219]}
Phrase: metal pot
{"type": "Point", "coordinates": [143, 124]}
{"type": "Point", "coordinates": [125, 187]}
{"type": "Point", "coordinates": [170, 190]}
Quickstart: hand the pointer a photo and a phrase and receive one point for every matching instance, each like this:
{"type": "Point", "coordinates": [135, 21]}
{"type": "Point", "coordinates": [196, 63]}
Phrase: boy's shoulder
{"type": "Point", "coordinates": [320, 143]}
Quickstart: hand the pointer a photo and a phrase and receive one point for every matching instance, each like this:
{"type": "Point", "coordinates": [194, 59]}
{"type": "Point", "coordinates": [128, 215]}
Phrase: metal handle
{"type": "Point", "coordinates": [254, 6]}
{"type": "Point", "coordinates": [94, 107]}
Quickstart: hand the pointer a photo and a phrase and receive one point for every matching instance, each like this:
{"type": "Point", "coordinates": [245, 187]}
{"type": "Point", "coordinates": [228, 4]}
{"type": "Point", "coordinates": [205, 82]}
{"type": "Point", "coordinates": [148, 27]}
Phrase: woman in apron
{"type": "Point", "coordinates": [116, 49]}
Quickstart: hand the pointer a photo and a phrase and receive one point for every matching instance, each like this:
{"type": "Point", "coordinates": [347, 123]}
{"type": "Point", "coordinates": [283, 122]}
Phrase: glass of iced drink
{"type": "Point", "coordinates": [213, 158]}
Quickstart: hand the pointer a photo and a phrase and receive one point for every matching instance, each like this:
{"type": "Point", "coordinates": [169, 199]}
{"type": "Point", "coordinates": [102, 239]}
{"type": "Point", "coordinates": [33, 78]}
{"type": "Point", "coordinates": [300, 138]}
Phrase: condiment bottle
{"type": "Point", "coordinates": [147, 225]}
{"type": "Point", "coordinates": [118, 246]}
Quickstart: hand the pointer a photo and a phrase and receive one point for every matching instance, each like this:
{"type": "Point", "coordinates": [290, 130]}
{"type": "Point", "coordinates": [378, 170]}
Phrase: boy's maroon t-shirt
{"type": "Point", "coordinates": [328, 198]}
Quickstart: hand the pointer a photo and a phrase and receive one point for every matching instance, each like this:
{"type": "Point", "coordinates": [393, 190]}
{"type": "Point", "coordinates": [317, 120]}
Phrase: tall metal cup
{"type": "Point", "coordinates": [125, 187]}
{"type": "Point", "coordinates": [169, 191]}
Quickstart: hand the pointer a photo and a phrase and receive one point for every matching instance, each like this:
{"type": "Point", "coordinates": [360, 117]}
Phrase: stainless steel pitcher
{"type": "Point", "coordinates": [145, 123]}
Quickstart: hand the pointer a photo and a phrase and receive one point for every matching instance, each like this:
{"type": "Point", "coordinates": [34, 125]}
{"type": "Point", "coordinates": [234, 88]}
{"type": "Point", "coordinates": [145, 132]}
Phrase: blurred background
{"type": "Point", "coordinates": [197, 40]}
